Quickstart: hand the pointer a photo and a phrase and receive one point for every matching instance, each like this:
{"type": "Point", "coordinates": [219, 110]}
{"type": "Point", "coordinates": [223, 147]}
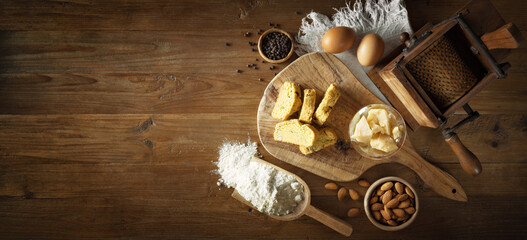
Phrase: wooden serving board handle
{"type": "Point", "coordinates": [438, 180]}
{"type": "Point", "coordinates": [329, 220]}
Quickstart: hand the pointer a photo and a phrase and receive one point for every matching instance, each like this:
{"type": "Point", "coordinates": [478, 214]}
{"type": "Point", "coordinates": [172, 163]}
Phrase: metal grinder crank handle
{"type": "Point", "coordinates": [469, 162]}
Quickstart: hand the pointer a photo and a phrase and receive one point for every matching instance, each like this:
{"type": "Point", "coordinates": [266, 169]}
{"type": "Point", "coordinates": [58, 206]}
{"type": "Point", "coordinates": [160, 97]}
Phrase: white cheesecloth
{"type": "Point", "coordinates": [386, 18]}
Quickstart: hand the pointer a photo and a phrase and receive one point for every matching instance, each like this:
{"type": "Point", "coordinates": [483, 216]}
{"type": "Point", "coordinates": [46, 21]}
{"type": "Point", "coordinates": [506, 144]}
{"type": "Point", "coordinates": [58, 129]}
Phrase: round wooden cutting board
{"type": "Point", "coordinates": [318, 71]}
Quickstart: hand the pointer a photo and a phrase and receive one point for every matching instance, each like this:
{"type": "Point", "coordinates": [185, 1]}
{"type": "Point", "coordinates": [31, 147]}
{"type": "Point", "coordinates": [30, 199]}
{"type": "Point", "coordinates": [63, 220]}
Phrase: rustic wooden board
{"type": "Point", "coordinates": [318, 71]}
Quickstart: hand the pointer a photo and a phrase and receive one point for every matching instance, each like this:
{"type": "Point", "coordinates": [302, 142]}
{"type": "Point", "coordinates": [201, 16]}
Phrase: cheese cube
{"type": "Point", "coordinates": [362, 131]}
{"type": "Point", "coordinates": [380, 117]}
{"type": "Point", "coordinates": [383, 143]}
{"type": "Point", "coordinates": [396, 133]}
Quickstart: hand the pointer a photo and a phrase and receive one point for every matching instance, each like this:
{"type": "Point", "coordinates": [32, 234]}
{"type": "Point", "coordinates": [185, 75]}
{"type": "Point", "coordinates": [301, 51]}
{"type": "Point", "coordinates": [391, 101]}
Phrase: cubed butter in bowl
{"type": "Point", "coordinates": [377, 131]}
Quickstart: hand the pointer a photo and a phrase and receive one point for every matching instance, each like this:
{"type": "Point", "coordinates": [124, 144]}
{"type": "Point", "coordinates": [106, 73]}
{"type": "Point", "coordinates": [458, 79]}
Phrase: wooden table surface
{"type": "Point", "coordinates": [111, 113]}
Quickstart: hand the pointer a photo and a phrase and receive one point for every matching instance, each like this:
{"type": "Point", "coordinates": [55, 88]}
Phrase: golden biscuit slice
{"type": "Point", "coordinates": [324, 109]}
{"type": "Point", "coordinates": [308, 106]}
{"type": "Point", "coordinates": [288, 101]}
{"type": "Point", "coordinates": [293, 131]}
{"type": "Point", "coordinates": [326, 137]}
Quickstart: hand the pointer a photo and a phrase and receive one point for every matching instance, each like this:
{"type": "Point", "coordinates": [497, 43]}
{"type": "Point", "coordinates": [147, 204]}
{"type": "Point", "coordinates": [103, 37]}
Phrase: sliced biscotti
{"type": "Point", "coordinates": [293, 131]}
{"type": "Point", "coordinates": [326, 137]}
{"type": "Point", "coordinates": [308, 106]}
{"type": "Point", "coordinates": [324, 108]}
{"type": "Point", "coordinates": [288, 101]}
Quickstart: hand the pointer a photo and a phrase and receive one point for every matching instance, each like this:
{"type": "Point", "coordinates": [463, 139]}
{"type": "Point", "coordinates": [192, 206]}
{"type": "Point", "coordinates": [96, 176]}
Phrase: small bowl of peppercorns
{"type": "Point", "coordinates": [275, 45]}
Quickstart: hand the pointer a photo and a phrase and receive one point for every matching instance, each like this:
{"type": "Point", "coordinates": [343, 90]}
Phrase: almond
{"type": "Point", "coordinates": [374, 199]}
{"type": "Point", "coordinates": [364, 183]}
{"type": "Point", "coordinates": [410, 210]}
{"type": "Point", "coordinates": [354, 194]}
{"type": "Point", "coordinates": [386, 186]}
{"type": "Point", "coordinates": [376, 207]}
{"type": "Point", "coordinates": [387, 210]}
{"type": "Point", "coordinates": [404, 204]}
{"type": "Point", "coordinates": [331, 186]}
{"type": "Point", "coordinates": [353, 212]}
{"type": "Point", "coordinates": [380, 192]}
{"type": "Point", "coordinates": [386, 197]}
{"type": "Point", "coordinates": [402, 197]}
{"type": "Point", "coordinates": [342, 193]}
{"type": "Point", "coordinates": [398, 212]}
{"type": "Point", "coordinates": [392, 223]}
{"type": "Point", "coordinates": [385, 215]}
{"type": "Point", "coordinates": [399, 187]}
{"type": "Point", "coordinates": [409, 192]}
{"type": "Point", "coordinates": [402, 219]}
{"type": "Point", "coordinates": [377, 215]}
{"type": "Point", "coordinates": [393, 203]}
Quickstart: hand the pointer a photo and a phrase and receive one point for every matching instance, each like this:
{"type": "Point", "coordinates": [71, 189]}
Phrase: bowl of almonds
{"type": "Point", "coordinates": [391, 203]}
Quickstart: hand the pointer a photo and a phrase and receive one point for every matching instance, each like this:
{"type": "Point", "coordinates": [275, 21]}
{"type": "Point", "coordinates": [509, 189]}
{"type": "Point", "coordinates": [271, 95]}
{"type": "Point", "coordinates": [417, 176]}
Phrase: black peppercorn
{"type": "Point", "coordinates": [276, 45]}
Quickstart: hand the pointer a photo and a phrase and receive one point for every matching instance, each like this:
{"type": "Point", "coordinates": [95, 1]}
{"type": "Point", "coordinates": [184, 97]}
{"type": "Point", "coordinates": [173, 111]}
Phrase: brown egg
{"type": "Point", "coordinates": [338, 39]}
{"type": "Point", "coordinates": [370, 49]}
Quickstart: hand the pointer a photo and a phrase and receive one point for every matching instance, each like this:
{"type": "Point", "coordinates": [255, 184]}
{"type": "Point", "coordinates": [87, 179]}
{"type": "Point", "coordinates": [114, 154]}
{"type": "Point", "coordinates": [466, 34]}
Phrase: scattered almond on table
{"type": "Point", "coordinates": [331, 186]}
{"type": "Point", "coordinates": [354, 194]}
{"type": "Point", "coordinates": [364, 183]}
{"type": "Point", "coordinates": [353, 212]}
{"type": "Point", "coordinates": [341, 194]}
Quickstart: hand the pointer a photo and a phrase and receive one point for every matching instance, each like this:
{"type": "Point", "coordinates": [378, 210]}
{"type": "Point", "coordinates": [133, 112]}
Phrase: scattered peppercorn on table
{"type": "Point", "coordinates": [111, 114]}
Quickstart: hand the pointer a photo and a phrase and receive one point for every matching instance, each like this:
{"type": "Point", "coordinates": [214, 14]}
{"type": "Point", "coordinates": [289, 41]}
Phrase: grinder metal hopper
{"type": "Point", "coordinates": [442, 67]}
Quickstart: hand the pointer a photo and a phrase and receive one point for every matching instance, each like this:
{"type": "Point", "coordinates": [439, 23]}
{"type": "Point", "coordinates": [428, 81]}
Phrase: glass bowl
{"type": "Point", "coordinates": [365, 149]}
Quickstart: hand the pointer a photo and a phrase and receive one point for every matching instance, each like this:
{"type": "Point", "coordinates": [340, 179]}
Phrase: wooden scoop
{"type": "Point", "coordinates": [304, 207]}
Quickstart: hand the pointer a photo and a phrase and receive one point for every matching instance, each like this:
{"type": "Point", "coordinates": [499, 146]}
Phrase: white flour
{"type": "Point", "coordinates": [269, 190]}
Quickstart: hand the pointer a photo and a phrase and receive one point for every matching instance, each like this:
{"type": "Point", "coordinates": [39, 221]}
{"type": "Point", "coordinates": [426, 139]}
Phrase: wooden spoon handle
{"type": "Point", "coordinates": [329, 220]}
{"type": "Point", "coordinates": [469, 162]}
{"type": "Point", "coordinates": [438, 180]}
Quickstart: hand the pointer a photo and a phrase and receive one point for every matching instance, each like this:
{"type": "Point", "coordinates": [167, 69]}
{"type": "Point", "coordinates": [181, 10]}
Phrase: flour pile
{"type": "Point", "coordinates": [269, 190]}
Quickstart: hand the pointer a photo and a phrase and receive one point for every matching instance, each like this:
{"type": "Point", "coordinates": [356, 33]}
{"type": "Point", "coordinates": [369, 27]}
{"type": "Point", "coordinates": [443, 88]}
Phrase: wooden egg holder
{"type": "Point", "coordinates": [481, 55]}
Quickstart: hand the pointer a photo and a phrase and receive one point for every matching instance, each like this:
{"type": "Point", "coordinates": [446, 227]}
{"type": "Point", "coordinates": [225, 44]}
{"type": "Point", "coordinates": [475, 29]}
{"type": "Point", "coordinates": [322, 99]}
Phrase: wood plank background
{"type": "Point", "coordinates": [111, 113]}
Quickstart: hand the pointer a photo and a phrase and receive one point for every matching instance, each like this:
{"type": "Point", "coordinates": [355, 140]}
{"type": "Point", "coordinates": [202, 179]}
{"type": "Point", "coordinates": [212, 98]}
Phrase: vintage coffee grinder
{"type": "Point", "coordinates": [442, 67]}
